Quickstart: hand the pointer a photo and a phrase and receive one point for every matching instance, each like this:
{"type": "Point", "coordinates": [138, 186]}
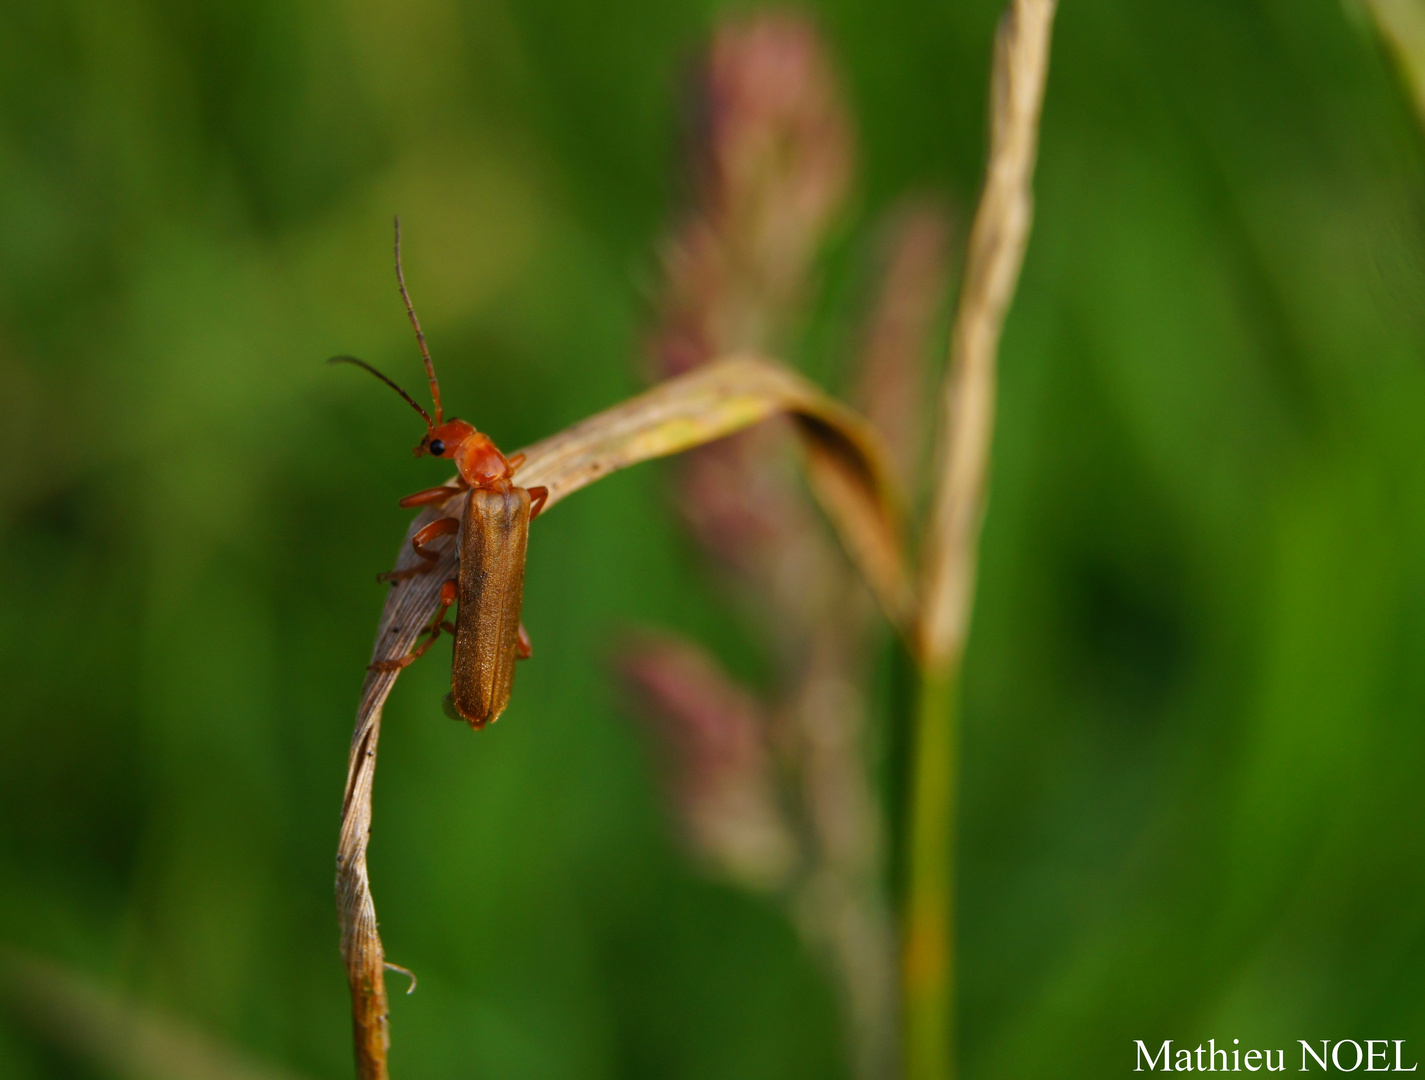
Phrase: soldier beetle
{"type": "Point", "coordinates": [492, 533]}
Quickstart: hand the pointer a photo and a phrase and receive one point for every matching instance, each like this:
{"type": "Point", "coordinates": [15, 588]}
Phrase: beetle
{"type": "Point", "coordinates": [492, 533]}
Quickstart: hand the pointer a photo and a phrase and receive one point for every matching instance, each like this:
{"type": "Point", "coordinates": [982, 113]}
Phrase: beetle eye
{"type": "Point", "coordinates": [437, 447]}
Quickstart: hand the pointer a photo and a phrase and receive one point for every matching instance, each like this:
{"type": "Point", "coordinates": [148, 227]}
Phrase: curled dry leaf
{"type": "Point", "coordinates": [847, 470]}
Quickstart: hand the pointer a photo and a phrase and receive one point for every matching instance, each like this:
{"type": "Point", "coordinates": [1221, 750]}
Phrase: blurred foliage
{"type": "Point", "coordinates": [1192, 801]}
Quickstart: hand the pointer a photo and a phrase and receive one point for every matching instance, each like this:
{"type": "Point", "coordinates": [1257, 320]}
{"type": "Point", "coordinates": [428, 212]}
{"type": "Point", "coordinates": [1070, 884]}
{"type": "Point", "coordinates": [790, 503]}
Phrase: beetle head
{"type": "Point", "coordinates": [446, 440]}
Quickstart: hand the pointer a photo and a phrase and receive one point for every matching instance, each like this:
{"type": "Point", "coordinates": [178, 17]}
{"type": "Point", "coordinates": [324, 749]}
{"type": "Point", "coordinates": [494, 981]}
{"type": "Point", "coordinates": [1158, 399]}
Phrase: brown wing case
{"type": "Point", "coordinates": [493, 535]}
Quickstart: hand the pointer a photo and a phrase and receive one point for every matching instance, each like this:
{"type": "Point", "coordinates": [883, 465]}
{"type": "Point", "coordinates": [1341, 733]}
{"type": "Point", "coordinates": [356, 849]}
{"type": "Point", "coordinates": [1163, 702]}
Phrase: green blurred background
{"type": "Point", "coordinates": [1193, 802]}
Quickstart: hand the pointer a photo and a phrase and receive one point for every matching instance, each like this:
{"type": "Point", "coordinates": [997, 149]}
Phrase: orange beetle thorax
{"type": "Point", "coordinates": [480, 463]}
{"type": "Point", "coordinates": [475, 456]}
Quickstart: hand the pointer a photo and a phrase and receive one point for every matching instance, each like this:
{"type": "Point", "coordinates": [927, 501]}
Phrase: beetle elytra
{"type": "Point", "coordinates": [492, 533]}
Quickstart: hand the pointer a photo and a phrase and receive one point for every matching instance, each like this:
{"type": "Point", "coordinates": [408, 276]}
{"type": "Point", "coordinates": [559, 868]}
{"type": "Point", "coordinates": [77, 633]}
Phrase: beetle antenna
{"type": "Point", "coordinates": [409, 400]}
{"type": "Point", "coordinates": [416, 323]}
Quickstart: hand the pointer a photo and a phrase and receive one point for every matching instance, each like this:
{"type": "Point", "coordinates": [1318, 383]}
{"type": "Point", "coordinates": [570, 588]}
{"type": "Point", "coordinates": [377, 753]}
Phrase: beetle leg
{"type": "Point", "coordinates": [538, 496]}
{"type": "Point", "coordinates": [524, 648]}
{"type": "Point", "coordinates": [440, 527]}
{"type": "Point", "coordinates": [437, 528]}
{"type": "Point", "coordinates": [430, 496]}
{"type": "Point", "coordinates": [448, 593]}
{"type": "Point", "coordinates": [514, 461]}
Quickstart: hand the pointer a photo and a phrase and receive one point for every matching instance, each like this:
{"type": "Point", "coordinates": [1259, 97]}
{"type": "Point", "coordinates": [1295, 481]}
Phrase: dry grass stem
{"type": "Point", "coordinates": [996, 251]}
{"type": "Point", "coordinates": [848, 468]}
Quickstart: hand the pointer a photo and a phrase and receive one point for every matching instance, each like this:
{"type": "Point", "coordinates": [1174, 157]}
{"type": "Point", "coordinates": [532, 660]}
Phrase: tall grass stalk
{"type": "Point", "coordinates": [993, 259]}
